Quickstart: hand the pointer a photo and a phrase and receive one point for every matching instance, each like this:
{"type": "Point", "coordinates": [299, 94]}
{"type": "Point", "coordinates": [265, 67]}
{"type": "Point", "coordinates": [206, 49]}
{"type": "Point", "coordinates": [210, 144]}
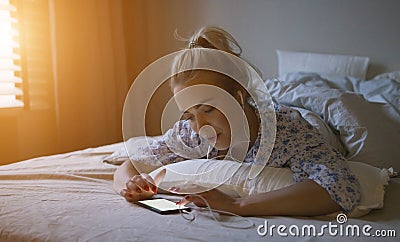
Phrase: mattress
{"type": "Point", "coordinates": [69, 197]}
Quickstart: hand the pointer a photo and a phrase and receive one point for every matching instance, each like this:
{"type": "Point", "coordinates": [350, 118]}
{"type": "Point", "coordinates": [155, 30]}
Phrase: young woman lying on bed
{"type": "Point", "coordinates": [323, 185]}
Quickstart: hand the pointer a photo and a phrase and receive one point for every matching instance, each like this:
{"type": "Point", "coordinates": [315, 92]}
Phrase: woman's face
{"type": "Point", "coordinates": [216, 128]}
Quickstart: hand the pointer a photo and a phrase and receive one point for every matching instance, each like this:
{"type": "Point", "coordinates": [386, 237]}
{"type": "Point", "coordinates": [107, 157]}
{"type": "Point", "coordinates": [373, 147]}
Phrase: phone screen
{"type": "Point", "coordinates": [161, 205]}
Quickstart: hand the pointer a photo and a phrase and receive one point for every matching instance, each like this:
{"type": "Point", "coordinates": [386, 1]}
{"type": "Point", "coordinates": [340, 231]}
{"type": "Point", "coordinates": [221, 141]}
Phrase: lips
{"type": "Point", "coordinates": [212, 139]}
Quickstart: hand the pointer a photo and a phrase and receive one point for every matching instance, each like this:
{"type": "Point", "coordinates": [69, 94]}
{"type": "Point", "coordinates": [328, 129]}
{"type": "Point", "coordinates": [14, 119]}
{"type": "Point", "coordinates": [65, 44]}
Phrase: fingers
{"type": "Point", "coordinates": [151, 184]}
{"type": "Point", "coordinates": [139, 187]}
{"type": "Point", "coordinates": [196, 194]}
{"type": "Point", "coordinates": [191, 190]}
{"type": "Point", "coordinates": [127, 195]}
{"type": "Point", "coordinates": [194, 199]}
{"type": "Point", "coordinates": [132, 196]}
{"type": "Point", "coordinates": [188, 189]}
{"type": "Point", "coordinates": [141, 184]}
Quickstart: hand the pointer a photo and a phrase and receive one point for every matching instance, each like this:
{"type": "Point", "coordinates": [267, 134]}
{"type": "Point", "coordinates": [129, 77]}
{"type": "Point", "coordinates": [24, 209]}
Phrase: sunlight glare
{"type": "Point", "coordinates": [7, 45]}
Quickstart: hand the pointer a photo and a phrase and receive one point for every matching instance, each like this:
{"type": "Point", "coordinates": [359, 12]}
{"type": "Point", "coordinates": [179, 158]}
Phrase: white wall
{"type": "Point", "coordinates": [354, 27]}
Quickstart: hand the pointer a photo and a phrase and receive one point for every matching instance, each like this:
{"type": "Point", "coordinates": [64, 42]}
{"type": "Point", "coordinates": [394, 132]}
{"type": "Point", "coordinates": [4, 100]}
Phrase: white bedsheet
{"type": "Point", "coordinates": [69, 197]}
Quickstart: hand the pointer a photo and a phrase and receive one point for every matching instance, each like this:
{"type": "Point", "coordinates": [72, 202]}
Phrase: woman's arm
{"type": "Point", "coordinates": [134, 186]}
{"type": "Point", "coordinates": [123, 174]}
{"type": "Point", "coordinates": [305, 198]}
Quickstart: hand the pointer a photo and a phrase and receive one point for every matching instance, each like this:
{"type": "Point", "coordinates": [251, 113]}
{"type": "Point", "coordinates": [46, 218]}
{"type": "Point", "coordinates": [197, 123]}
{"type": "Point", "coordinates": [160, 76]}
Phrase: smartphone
{"type": "Point", "coordinates": [162, 206]}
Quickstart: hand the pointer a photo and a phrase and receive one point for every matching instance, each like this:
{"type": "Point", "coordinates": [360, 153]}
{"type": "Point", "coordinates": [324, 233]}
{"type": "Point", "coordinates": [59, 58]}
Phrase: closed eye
{"type": "Point", "coordinates": [209, 109]}
{"type": "Point", "coordinates": [188, 116]}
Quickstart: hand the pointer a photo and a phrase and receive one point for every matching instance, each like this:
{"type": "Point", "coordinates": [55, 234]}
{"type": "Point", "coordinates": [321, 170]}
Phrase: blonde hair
{"type": "Point", "coordinates": [208, 37]}
{"type": "Point", "coordinates": [213, 38]}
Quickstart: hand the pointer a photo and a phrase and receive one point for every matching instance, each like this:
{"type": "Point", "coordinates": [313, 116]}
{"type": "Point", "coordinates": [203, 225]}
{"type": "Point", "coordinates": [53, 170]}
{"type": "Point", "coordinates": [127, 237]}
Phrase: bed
{"type": "Point", "coordinates": [69, 197]}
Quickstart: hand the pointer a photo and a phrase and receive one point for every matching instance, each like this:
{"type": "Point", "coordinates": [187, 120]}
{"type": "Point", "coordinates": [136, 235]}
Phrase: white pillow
{"type": "Point", "coordinates": [325, 64]}
{"type": "Point", "coordinates": [384, 92]}
{"type": "Point", "coordinates": [219, 173]}
{"type": "Point", "coordinates": [395, 75]}
{"type": "Point", "coordinates": [229, 176]}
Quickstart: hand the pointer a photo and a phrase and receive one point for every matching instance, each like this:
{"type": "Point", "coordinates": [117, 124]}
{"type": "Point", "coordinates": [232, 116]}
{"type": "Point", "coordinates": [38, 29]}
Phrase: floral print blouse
{"type": "Point", "coordinates": [298, 145]}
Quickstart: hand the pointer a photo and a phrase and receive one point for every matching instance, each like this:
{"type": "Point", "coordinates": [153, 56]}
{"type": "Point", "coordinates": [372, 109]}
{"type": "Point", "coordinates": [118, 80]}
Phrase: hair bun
{"type": "Point", "coordinates": [213, 38]}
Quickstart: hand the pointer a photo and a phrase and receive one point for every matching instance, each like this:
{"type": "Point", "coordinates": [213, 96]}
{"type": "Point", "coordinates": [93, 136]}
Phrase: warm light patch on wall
{"type": "Point", "coordinates": [10, 83]}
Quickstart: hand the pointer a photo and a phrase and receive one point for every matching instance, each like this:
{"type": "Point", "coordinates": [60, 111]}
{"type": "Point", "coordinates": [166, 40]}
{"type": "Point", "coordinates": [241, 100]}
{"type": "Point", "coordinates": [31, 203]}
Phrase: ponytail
{"type": "Point", "coordinates": [208, 37]}
{"type": "Point", "coordinates": [213, 38]}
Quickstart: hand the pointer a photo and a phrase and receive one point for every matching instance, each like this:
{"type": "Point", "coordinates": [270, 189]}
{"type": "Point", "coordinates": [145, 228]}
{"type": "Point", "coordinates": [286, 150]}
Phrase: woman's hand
{"type": "Point", "coordinates": [142, 186]}
{"type": "Point", "coordinates": [214, 197]}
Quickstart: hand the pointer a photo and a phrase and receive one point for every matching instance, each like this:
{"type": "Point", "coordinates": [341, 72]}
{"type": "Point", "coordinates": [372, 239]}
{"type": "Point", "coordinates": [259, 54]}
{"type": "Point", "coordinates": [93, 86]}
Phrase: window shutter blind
{"type": "Point", "coordinates": [36, 58]}
{"type": "Point", "coordinates": [11, 86]}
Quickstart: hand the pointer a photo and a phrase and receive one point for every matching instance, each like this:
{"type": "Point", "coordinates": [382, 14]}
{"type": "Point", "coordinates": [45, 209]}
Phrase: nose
{"type": "Point", "coordinates": [200, 122]}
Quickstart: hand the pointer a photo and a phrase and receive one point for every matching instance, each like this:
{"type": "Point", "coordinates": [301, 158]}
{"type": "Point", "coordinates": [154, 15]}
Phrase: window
{"type": "Point", "coordinates": [10, 82]}
{"type": "Point", "coordinates": [25, 55]}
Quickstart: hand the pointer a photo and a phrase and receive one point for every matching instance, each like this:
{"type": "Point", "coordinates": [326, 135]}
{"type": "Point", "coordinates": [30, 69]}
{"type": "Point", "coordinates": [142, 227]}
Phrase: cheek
{"type": "Point", "coordinates": [222, 121]}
